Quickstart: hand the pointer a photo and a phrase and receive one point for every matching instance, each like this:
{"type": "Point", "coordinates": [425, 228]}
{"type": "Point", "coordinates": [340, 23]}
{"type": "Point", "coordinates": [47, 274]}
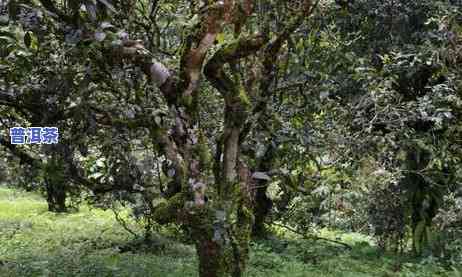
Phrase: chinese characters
{"type": "Point", "coordinates": [34, 135]}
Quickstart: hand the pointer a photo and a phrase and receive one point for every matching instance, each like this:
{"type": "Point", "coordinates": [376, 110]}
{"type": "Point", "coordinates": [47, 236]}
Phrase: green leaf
{"type": "Point", "coordinates": [96, 175]}
{"type": "Point", "coordinates": [7, 39]}
{"type": "Point", "coordinates": [221, 38]}
{"type": "Point", "coordinates": [100, 162]}
{"type": "Point", "coordinates": [108, 5]}
{"type": "Point", "coordinates": [31, 41]}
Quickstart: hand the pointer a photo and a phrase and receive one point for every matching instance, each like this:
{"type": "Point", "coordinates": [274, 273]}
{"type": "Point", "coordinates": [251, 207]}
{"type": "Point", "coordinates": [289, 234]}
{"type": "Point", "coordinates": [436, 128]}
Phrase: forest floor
{"type": "Point", "coordinates": [34, 242]}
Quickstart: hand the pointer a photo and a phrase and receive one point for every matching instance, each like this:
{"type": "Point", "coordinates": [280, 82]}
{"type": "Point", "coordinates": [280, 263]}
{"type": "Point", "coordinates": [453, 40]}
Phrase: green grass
{"type": "Point", "coordinates": [34, 242]}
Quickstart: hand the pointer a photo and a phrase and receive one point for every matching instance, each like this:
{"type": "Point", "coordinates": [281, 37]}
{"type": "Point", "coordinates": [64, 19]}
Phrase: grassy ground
{"type": "Point", "coordinates": [34, 242]}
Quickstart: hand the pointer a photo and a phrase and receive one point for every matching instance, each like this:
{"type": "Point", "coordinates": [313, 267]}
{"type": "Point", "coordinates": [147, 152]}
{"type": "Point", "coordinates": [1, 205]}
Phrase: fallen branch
{"type": "Point", "coordinates": [313, 236]}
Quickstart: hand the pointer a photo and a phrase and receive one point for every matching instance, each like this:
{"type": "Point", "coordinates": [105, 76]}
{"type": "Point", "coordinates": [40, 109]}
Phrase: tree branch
{"type": "Point", "coordinates": [269, 71]}
{"type": "Point", "coordinates": [22, 155]}
{"type": "Point", "coordinates": [197, 44]}
{"type": "Point", "coordinates": [313, 236]}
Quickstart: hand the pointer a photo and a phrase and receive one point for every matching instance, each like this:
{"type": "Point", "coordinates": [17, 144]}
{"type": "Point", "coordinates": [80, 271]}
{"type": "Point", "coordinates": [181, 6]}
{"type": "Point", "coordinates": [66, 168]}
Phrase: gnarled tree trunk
{"type": "Point", "coordinates": [221, 226]}
{"type": "Point", "coordinates": [223, 249]}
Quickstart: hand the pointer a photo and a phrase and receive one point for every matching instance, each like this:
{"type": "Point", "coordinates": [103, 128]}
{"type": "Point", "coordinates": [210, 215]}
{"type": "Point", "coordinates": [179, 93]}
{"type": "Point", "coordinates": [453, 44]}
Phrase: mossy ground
{"type": "Point", "coordinates": [34, 242]}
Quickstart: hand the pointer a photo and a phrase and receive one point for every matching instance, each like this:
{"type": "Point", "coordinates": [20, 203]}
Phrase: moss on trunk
{"type": "Point", "coordinates": [222, 235]}
{"type": "Point", "coordinates": [223, 250]}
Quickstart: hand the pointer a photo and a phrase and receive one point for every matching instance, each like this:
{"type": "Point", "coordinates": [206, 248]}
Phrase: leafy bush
{"type": "Point", "coordinates": [448, 223]}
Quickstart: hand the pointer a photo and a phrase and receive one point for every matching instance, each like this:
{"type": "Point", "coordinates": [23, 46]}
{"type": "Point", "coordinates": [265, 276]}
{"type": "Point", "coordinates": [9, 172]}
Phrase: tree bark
{"type": "Point", "coordinates": [211, 259]}
{"type": "Point", "coordinates": [217, 260]}
{"type": "Point", "coordinates": [56, 197]}
{"type": "Point", "coordinates": [223, 248]}
{"type": "Point", "coordinates": [55, 183]}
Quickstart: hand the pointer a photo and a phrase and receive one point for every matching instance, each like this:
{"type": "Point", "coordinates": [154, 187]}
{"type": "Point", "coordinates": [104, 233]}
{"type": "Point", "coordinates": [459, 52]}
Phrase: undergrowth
{"type": "Point", "coordinates": [35, 242]}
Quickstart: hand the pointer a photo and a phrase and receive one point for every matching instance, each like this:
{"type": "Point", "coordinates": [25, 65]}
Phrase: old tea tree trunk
{"type": "Point", "coordinates": [221, 227]}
